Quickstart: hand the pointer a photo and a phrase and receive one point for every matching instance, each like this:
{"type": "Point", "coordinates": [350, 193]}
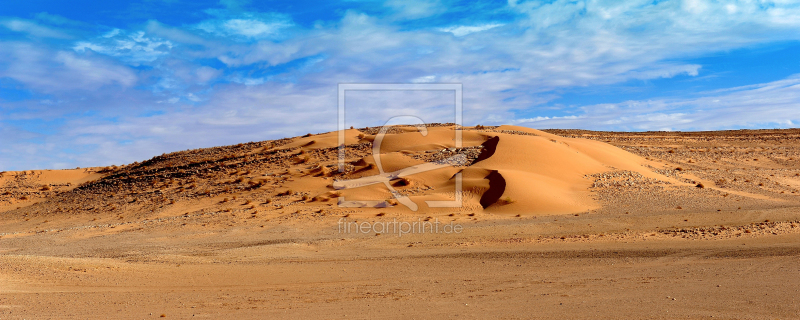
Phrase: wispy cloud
{"type": "Point", "coordinates": [768, 105]}
{"type": "Point", "coordinates": [132, 47]}
{"type": "Point", "coordinates": [33, 29]}
{"type": "Point", "coordinates": [246, 26]}
{"type": "Point", "coordinates": [52, 71]}
{"type": "Point", "coordinates": [460, 31]}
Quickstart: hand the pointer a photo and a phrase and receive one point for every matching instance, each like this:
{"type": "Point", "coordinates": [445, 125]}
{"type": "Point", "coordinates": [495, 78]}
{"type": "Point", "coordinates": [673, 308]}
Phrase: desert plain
{"type": "Point", "coordinates": [549, 224]}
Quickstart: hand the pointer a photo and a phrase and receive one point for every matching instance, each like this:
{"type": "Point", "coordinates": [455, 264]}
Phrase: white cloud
{"type": "Point", "coordinates": [36, 30]}
{"type": "Point", "coordinates": [460, 31]}
{"type": "Point", "coordinates": [205, 74]}
{"type": "Point", "coordinates": [57, 19]}
{"type": "Point", "coordinates": [772, 105]}
{"type": "Point", "coordinates": [247, 26]}
{"type": "Point", "coordinates": [530, 121]}
{"type": "Point", "coordinates": [174, 34]}
{"type": "Point", "coordinates": [57, 71]}
{"type": "Point", "coordinates": [133, 47]}
{"type": "Point", "coordinates": [424, 79]}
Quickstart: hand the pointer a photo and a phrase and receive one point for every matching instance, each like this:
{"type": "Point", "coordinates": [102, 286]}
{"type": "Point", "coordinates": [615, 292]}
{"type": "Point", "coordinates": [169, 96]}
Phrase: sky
{"type": "Point", "coordinates": [97, 83]}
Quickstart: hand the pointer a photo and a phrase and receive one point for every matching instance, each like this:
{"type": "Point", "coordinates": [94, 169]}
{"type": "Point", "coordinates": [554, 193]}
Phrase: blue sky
{"type": "Point", "coordinates": [90, 83]}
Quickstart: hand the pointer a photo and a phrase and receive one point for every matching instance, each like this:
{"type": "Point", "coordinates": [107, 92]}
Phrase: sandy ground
{"type": "Point", "coordinates": [557, 224]}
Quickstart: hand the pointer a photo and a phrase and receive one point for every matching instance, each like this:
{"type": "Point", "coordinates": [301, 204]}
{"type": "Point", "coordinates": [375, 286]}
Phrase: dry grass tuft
{"type": "Point", "coordinates": [505, 201]}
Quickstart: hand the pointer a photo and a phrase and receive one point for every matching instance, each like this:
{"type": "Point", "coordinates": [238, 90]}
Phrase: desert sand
{"type": "Point", "coordinates": [554, 224]}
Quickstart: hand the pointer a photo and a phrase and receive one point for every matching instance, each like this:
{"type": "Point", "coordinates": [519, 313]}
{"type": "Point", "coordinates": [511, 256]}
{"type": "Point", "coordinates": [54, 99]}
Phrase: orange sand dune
{"type": "Point", "coordinates": [519, 170]}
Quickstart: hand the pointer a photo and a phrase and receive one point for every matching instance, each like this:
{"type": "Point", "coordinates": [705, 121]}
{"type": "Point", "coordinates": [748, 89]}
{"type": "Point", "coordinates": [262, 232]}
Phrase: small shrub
{"type": "Point", "coordinates": [700, 185]}
{"type": "Point", "coordinates": [505, 201]}
{"type": "Point", "coordinates": [46, 188]}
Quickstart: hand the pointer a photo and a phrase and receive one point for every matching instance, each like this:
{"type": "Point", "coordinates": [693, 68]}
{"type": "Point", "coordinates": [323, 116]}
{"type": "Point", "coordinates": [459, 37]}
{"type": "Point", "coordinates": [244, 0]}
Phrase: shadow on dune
{"type": "Point", "coordinates": [497, 185]}
{"type": "Point", "coordinates": [488, 150]}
